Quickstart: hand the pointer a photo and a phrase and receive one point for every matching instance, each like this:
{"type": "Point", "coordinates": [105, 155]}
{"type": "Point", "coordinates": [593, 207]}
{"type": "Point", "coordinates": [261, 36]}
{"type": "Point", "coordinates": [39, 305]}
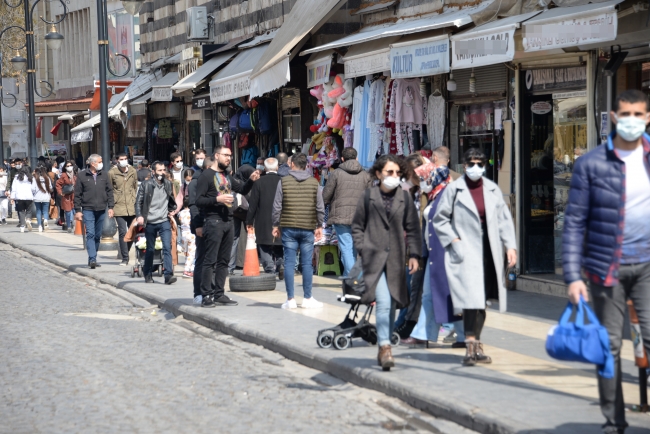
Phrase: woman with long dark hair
{"type": "Point", "coordinates": [474, 225]}
{"type": "Point", "coordinates": [65, 190]}
{"type": "Point", "coordinates": [384, 214]}
{"type": "Point", "coordinates": [22, 195]}
{"type": "Point", "coordinates": [42, 189]}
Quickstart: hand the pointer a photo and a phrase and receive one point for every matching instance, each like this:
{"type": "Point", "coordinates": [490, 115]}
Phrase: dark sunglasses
{"type": "Point", "coordinates": [480, 165]}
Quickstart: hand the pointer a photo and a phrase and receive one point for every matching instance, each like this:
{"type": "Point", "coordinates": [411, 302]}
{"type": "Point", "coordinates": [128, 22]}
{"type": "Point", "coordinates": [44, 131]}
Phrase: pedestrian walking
{"type": "Point", "coordinates": [283, 164]}
{"type": "Point", "coordinates": [260, 218]}
{"type": "Point", "coordinates": [607, 236]}
{"type": "Point", "coordinates": [440, 157]}
{"type": "Point", "coordinates": [188, 238]}
{"type": "Point", "coordinates": [177, 167]}
{"type": "Point", "coordinates": [65, 188]}
{"type": "Point", "coordinates": [124, 181]}
{"type": "Point", "coordinates": [298, 213]}
{"type": "Point", "coordinates": [93, 194]}
{"type": "Point", "coordinates": [4, 201]}
{"type": "Point", "coordinates": [473, 225]}
{"type": "Point", "coordinates": [214, 198]}
{"type": "Point", "coordinates": [154, 206]}
{"type": "Point", "coordinates": [144, 172]}
{"type": "Point", "coordinates": [23, 196]}
{"type": "Point", "coordinates": [42, 189]}
{"type": "Point", "coordinates": [197, 222]}
{"type": "Point", "coordinates": [342, 192]}
{"type": "Point", "coordinates": [385, 214]}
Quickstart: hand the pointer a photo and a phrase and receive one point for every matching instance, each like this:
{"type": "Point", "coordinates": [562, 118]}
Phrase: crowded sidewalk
{"type": "Point", "coordinates": [523, 390]}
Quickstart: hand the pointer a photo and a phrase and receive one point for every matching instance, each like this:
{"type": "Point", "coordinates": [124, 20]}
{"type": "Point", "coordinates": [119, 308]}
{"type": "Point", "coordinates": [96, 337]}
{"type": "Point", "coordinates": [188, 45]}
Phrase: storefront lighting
{"type": "Point", "coordinates": [132, 6]}
{"type": "Point", "coordinates": [19, 62]}
{"type": "Point", "coordinates": [54, 39]}
{"type": "Point", "coordinates": [289, 93]}
{"type": "Point", "coordinates": [451, 83]}
{"type": "Point", "coordinates": [472, 82]}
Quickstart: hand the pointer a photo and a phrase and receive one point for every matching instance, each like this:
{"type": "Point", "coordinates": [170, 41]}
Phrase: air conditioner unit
{"type": "Point", "coordinates": [198, 28]}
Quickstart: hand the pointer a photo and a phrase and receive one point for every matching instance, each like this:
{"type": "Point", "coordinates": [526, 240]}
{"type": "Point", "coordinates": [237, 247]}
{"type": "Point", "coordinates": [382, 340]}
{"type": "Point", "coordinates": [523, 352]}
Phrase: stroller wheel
{"type": "Point", "coordinates": [341, 342]}
{"type": "Point", "coordinates": [132, 272]}
{"type": "Point", "coordinates": [160, 271]}
{"type": "Point", "coordinates": [324, 340]}
{"type": "Point", "coordinates": [395, 339]}
{"type": "Point", "coordinates": [140, 274]}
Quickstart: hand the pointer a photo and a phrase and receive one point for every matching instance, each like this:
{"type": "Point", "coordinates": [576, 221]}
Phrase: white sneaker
{"type": "Point", "coordinates": [311, 303]}
{"type": "Point", "coordinates": [22, 229]}
{"type": "Point", "coordinates": [290, 304]}
{"type": "Point", "coordinates": [40, 228]}
{"type": "Point", "coordinates": [198, 299]}
{"type": "Point", "coordinates": [45, 226]}
{"type": "Point", "coordinates": [29, 225]}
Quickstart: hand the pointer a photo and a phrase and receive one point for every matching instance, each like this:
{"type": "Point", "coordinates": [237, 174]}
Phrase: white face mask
{"type": "Point", "coordinates": [426, 187]}
{"type": "Point", "coordinates": [159, 177]}
{"type": "Point", "coordinates": [100, 166]}
{"type": "Point", "coordinates": [630, 128]}
{"type": "Point", "coordinates": [3, 174]}
{"type": "Point", "coordinates": [391, 183]}
{"type": "Point", "coordinates": [179, 165]}
{"type": "Point", "coordinates": [19, 166]}
{"type": "Point", "coordinates": [69, 169]}
{"type": "Point", "coordinates": [123, 163]}
{"type": "Point", "coordinates": [199, 162]}
{"type": "Point", "coordinates": [475, 173]}
{"type": "Point", "coordinates": [259, 167]}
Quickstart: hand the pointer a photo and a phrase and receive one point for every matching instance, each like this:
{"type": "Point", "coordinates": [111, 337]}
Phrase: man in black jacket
{"type": "Point", "coordinates": [214, 197]}
{"type": "Point", "coordinates": [260, 208]}
{"type": "Point", "coordinates": [153, 207]}
{"type": "Point", "coordinates": [92, 193]}
{"type": "Point", "coordinates": [196, 224]}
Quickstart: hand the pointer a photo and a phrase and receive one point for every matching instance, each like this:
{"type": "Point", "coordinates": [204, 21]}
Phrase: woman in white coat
{"type": "Point", "coordinates": [474, 225]}
{"type": "Point", "coordinates": [21, 193]}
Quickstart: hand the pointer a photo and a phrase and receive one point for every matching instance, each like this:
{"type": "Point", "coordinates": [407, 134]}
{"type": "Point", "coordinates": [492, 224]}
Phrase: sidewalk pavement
{"type": "Point", "coordinates": [522, 391]}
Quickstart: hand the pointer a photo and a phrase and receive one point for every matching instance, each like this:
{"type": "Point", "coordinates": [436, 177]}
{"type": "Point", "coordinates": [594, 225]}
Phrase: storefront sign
{"type": "Point", "coordinates": [487, 49]}
{"type": "Point", "coordinates": [541, 107]}
{"type": "Point", "coordinates": [201, 103]}
{"type": "Point", "coordinates": [55, 149]}
{"type": "Point", "coordinates": [565, 95]}
{"type": "Point", "coordinates": [417, 60]}
{"type": "Point", "coordinates": [161, 94]}
{"type": "Point", "coordinates": [570, 32]}
{"type": "Point", "coordinates": [81, 136]}
{"type": "Point", "coordinates": [230, 88]}
{"type": "Point", "coordinates": [556, 78]}
{"type": "Point", "coordinates": [362, 65]}
{"type": "Point", "coordinates": [318, 72]}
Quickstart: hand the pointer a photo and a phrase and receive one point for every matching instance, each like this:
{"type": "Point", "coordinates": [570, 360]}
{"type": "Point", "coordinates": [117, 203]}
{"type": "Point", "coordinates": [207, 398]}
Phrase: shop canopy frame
{"type": "Point", "coordinates": [233, 81]}
{"type": "Point", "coordinates": [192, 81]}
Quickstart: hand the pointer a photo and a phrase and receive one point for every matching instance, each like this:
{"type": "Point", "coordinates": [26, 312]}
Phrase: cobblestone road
{"type": "Point", "coordinates": [74, 358]}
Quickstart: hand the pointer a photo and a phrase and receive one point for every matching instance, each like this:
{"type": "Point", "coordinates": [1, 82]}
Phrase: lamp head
{"type": "Point", "coordinates": [19, 62]}
{"type": "Point", "coordinates": [451, 83]}
{"type": "Point", "coordinates": [54, 39]}
{"type": "Point", "coordinates": [132, 6]}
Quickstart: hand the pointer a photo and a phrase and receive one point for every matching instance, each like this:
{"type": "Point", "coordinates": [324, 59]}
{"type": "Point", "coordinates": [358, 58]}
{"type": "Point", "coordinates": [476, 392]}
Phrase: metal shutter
{"type": "Point", "coordinates": [491, 78]}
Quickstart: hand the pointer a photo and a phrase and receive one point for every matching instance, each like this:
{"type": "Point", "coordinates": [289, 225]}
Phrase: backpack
{"type": "Point", "coordinates": [267, 122]}
{"type": "Point", "coordinates": [245, 120]}
{"type": "Point", "coordinates": [249, 155]}
{"type": "Point", "coordinates": [234, 122]}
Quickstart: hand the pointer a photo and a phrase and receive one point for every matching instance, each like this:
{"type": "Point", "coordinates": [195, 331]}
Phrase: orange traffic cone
{"type": "Point", "coordinates": [251, 261]}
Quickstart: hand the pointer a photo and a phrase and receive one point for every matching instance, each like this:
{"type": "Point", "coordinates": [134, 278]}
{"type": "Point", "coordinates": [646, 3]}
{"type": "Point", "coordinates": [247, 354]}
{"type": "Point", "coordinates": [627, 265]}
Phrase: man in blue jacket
{"type": "Point", "coordinates": [607, 235]}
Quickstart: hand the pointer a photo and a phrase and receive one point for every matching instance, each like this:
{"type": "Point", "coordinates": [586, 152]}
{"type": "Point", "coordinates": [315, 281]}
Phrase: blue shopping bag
{"type": "Point", "coordinates": [580, 342]}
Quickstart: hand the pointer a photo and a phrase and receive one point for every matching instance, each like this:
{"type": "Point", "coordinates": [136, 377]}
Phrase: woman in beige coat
{"type": "Point", "coordinates": [474, 225]}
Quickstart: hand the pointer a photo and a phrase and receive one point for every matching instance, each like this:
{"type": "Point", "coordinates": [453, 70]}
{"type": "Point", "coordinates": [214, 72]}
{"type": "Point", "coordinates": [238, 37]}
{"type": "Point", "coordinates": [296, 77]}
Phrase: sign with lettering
{"type": "Point", "coordinates": [370, 64]}
{"type": "Point", "coordinates": [556, 78]}
{"type": "Point", "coordinates": [429, 57]}
{"type": "Point", "coordinates": [481, 50]}
{"type": "Point", "coordinates": [230, 88]}
{"type": "Point", "coordinates": [201, 102]}
{"type": "Point", "coordinates": [543, 34]}
{"type": "Point", "coordinates": [318, 72]}
{"type": "Point", "coordinates": [161, 94]}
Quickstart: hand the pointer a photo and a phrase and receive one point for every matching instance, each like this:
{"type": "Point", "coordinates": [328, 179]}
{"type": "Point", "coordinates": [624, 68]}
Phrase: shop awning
{"type": "Point", "coordinates": [272, 68]}
{"type": "Point", "coordinates": [456, 18]}
{"type": "Point", "coordinates": [142, 100]}
{"type": "Point", "coordinates": [84, 131]}
{"type": "Point", "coordinates": [571, 26]}
{"type": "Point", "coordinates": [318, 68]}
{"type": "Point", "coordinates": [191, 81]}
{"type": "Point", "coordinates": [140, 85]}
{"type": "Point", "coordinates": [90, 123]}
{"type": "Point", "coordinates": [233, 81]}
{"type": "Point", "coordinates": [488, 44]}
{"type": "Point", "coordinates": [368, 58]}
{"type": "Point", "coordinates": [57, 114]}
{"type": "Point", "coordinates": [162, 89]}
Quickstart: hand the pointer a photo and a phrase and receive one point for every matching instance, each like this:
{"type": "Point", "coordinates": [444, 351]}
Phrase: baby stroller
{"type": "Point", "coordinates": [141, 249]}
{"type": "Point", "coordinates": [341, 335]}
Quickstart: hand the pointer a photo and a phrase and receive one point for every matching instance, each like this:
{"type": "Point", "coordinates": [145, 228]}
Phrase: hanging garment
{"type": "Point", "coordinates": [355, 124]}
{"type": "Point", "coordinates": [408, 102]}
{"type": "Point", "coordinates": [363, 126]}
{"type": "Point", "coordinates": [436, 121]}
{"type": "Point", "coordinates": [390, 139]}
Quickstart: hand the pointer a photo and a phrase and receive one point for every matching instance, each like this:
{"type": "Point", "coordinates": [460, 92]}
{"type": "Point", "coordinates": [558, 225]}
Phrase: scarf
{"type": "Point", "coordinates": [437, 176]}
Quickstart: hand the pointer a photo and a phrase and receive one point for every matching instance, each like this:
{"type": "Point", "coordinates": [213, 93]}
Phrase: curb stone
{"type": "Point", "coordinates": [450, 409]}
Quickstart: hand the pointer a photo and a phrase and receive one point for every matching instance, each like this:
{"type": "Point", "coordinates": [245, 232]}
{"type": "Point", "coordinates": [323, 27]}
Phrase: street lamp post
{"type": "Point", "coordinates": [2, 103]}
{"type": "Point", "coordinates": [53, 40]}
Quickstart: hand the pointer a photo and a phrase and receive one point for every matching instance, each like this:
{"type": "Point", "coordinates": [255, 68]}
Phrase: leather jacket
{"type": "Point", "coordinates": [145, 194]}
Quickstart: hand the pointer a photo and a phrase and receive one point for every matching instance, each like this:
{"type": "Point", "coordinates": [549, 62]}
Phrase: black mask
{"type": "Point", "coordinates": [223, 166]}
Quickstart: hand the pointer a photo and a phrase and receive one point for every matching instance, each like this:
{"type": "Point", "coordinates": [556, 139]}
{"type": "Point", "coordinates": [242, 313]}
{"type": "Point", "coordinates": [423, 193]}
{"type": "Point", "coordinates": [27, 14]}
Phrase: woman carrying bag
{"type": "Point", "coordinates": [21, 193]}
{"type": "Point", "coordinates": [384, 214]}
{"type": "Point", "coordinates": [65, 189]}
{"type": "Point", "coordinates": [473, 224]}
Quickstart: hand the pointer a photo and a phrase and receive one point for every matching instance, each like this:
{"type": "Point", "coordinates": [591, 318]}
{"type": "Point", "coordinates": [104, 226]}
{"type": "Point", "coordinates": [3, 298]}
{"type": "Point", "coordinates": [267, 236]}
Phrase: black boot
{"type": "Point", "coordinates": [148, 279]}
{"type": "Point", "coordinates": [470, 354]}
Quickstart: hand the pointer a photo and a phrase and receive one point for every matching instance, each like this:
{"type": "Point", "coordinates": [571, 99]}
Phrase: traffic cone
{"type": "Point", "coordinates": [251, 261]}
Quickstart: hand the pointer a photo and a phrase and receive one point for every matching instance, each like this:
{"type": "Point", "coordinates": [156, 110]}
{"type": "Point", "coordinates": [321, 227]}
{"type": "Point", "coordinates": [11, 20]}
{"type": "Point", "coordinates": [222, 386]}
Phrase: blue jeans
{"type": "Point", "coordinates": [385, 311]}
{"type": "Point", "coordinates": [69, 218]}
{"type": "Point", "coordinates": [42, 212]}
{"type": "Point", "coordinates": [294, 239]}
{"type": "Point", "coordinates": [346, 245]}
{"type": "Point", "coordinates": [151, 231]}
{"type": "Point", "coordinates": [401, 317]}
{"type": "Point", "coordinates": [94, 222]}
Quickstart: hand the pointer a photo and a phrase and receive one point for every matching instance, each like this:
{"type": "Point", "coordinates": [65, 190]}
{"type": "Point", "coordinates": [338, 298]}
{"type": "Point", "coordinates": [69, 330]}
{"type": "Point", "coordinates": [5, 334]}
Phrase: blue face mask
{"type": "Point", "coordinates": [630, 128]}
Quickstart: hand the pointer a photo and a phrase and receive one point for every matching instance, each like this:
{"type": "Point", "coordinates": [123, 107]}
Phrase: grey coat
{"type": "Point", "coordinates": [343, 189]}
{"type": "Point", "coordinates": [464, 258]}
{"type": "Point", "coordinates": [381, 243]}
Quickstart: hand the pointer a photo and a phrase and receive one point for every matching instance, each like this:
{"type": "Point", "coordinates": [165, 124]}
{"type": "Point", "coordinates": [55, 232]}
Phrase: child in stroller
{"type": "Point", "coordinates": [141, 249]}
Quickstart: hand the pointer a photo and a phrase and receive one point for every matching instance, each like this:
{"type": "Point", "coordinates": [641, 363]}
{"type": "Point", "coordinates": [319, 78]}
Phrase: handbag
{"type": "Point", "coordinates": [67, 189]}
{"type": "Point", "coordinates": [354, 286]}
{"type": "Point", "coordinates": [580, 342]}
{"type": "Point", "coordinates": [241, 212]}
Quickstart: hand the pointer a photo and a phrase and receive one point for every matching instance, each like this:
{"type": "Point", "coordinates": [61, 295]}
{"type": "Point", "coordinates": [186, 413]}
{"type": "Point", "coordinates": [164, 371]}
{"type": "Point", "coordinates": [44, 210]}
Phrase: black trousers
{"type": "Point", "coordinates": [198, 265]}
{"type": "Point", "coordinates": [218, 240]}
{"type": "Point", "coordinates": [123, 224]}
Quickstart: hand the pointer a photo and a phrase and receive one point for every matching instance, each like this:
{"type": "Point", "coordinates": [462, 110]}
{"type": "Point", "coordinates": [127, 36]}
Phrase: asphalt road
{"type": "Point", "coordinates": [75, 358]}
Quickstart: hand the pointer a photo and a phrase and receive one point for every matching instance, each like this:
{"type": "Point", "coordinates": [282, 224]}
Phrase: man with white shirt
{"type": "Point", "coordinates": [177, 167]}
{"type": "Point", "coordinates": [607, 236]}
